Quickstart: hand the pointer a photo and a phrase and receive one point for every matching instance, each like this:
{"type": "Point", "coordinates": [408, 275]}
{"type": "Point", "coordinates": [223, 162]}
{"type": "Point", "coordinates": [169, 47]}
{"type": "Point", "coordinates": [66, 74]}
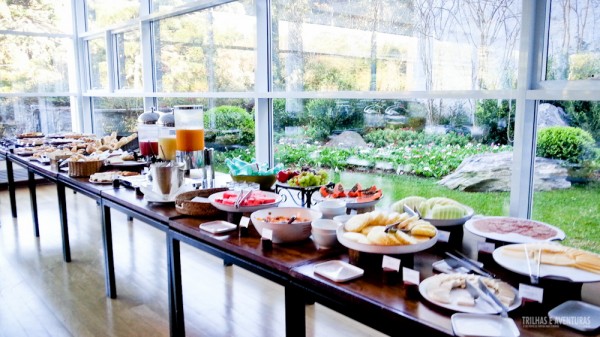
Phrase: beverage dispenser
{"type": "Point", "coordinates": [189, 134]}
{"type": "Point", "coordinates": [148, 133]}
{"type": "Point", "coordinates": [167, 142]}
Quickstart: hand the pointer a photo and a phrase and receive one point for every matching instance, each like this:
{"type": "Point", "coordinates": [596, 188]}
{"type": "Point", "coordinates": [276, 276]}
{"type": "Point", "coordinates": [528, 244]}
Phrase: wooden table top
{"type": "Point", "coordinates": [282, 257]}
{"type": "Point", "coordinates": [374, 292]}
{"type": "Point", "coordinates": [129, 199]}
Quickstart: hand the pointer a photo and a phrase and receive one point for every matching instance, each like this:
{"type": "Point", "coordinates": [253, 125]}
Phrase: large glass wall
{"type": "Point", "coordinates": [425, 85]}
{"type": "Point", "coordinates": [36, 63]}
{"type": "Point", "coordinates": [207, 51]}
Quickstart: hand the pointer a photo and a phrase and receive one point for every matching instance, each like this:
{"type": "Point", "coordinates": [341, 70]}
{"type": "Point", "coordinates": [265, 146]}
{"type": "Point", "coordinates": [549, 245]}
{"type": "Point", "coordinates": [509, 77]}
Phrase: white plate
{"type": "Point", "coordinates": [244, 209]}
{"type": "Point", "coordinates": [578, 315]}
{"type": "Point", "coordinates": [467, 325]}
{"type": "Point", "coordinates": [218, 226]}
{"type": "Point", "coordinates": [153, 201]}
{"type": "Point", "coordinates": [338, 271]}
{"type": "Point", "coordinates": [519, 266]}
{"type": "Point", "coordinates": [127, 163]}
{"type": "Point", "coordinates": [511, 237]}
{"type": "Point", "coordinates": [350, 202]}
{"type": "Point", "coordinates": [452, 222]}
{"type": "Point", "coordinates": [480, 307]}
{"type": "Point", "coordinates": [378, 249]}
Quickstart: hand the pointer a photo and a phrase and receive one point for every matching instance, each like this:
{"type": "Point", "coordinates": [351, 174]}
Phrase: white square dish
{"type": "Point", "coordinates": [467, 325]}
{"type": "Point", "coordinates": [218, 226]}
{"type": "Point", "coordinates": [338, 271]}
{"type": "Point", "coordinates": [578, 315]}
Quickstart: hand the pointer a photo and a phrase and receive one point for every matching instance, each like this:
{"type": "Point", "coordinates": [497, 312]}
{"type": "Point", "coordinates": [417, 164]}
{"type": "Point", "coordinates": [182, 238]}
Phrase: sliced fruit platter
{"type": "Point", "coordinates": [439, 211]}
{"type": "Point", "coordinates": [356, 197]}
{"type": "Point", "coordinates": [249, 201]}
{"type": "Point", "coordinates": [306, 177]}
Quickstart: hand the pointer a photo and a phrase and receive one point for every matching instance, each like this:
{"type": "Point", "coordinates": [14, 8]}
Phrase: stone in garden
{"type": "Point", "coordinates": [384, 166]}
{"type": "Point", "coordinates": [355, 161]}
{"type": "Point", "coordinates": [549, 115]}
{"type": "Point", "coordinates": [347, 140]}
{"type": "Point", "coordinates": [492, 172]}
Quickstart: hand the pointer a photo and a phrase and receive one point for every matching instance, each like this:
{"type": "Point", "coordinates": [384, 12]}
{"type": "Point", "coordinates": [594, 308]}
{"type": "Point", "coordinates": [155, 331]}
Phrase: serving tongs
{"type": "Point", "coordinates": [241, 197]}
{"type": "Point", "coordinates": [533, 278]}
{"type": "Point", "coordinates": [494, 298]}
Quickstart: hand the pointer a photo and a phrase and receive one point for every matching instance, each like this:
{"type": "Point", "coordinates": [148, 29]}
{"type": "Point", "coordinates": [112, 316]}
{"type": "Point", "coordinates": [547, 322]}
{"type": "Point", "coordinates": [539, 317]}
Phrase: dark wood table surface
{"type": "Point", "coordinates": [403, 306]}
{"type": "Point", "coordinates": [135, 205]}
{"type": "Point", "coordinates": [282, 257]}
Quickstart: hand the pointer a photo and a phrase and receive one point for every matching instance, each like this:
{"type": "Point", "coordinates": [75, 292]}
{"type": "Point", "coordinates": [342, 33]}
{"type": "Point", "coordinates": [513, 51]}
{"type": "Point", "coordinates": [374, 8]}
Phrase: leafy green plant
{"type": "Point", "coordinates": [497, 119]}
{"type": "Point", "coordinates": [566, 143]}
{"type": "Point", "coordinates": [230, 118]}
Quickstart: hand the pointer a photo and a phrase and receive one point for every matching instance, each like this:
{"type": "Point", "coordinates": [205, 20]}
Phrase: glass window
{"type": "Point", "coordinates": [34, 64]}
{"type": "Point", "coordinates": [97, 63]}
{"type": "Point", "coordinates": [116, 114]}
{"type": "Point", "coordinates": [103, 13]}
{"type": "Point", "coordinates": [45, 16]}
{"type": "Point", "coordinates": [228, 126]}
{"type": "Point", "coordinates": [574, 40]}
{"type": "Point", "coordinates": [129, 60]}
{"type": "Point", "coordinates": [165, 5]}
{"type": "Point", "coordinates": [567, 190]}
{"type": "Point", "coordinates": [397, 146]}
{"type": "Point", "coordinates": [390, 45]}
{"type": "Point", "coordinates": [210, 50]}
{"type": "Point", "coordinates": [34, 114]}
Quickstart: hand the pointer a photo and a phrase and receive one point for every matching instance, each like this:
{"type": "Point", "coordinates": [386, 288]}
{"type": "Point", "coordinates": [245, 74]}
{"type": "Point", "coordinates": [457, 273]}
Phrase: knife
{"type": "Point", "coordinates": [485, 290]}
{"type": "Point", "coordinates": [410, 211]}
{"type": "Point", "coordinates": [469, 266]}
{"type": "Point", "coordinates": [469, 261]}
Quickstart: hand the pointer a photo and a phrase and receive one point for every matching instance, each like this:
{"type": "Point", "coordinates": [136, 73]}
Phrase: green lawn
{"type": "Point", "coordinates": [575, 210]}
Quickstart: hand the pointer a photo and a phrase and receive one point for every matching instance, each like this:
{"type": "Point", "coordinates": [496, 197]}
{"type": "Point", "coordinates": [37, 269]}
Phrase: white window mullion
{"type": "Point", "coordinates": [111, 61]}
{"type": "Point", "coordinates": [533, 28]}
{"type": "Point", "coordinates": [264, 106]}
{"type": "Point", "coordinates": [84, 120]}
{"type": "Point", "coordinates": [147, 55]}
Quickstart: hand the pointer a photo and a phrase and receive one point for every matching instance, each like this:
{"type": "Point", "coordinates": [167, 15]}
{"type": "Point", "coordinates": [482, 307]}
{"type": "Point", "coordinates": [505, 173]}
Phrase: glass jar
{"type": "Point", "coordinates": [148, 133]}
{"type": "Point", "coordinates": [167, 143]}
{"type": "Point", "coordinates": [189, 121]}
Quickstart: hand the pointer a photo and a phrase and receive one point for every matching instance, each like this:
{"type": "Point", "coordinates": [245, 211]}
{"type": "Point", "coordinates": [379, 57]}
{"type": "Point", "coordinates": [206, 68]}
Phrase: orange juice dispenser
{"type": "Point", "coordinates": [148, 133]}
{"type": "Point", "coordinates": [189, 134]}
{"type": "Point", "coordinates": [167, 142]}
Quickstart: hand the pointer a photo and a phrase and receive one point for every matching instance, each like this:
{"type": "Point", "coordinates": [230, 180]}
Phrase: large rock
{"type": "Point", "coordinates": [549, 115]}
{"type": "Point", "coordinates": [348, 140]}
{"type": "Point", "coordinates": [492, 172]}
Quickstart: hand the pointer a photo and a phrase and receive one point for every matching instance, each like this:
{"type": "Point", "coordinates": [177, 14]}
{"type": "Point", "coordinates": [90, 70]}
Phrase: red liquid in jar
{"type": "Point", "coordinates": [149, 148]}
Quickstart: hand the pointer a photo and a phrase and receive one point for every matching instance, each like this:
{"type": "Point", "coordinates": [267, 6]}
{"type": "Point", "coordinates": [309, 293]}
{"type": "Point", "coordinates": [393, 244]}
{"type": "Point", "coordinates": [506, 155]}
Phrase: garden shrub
{"type": "Point", "coordinates": [566, 143]}
{"type": "Point", "coordinates": [401, 138]}
{"type": "Point", "coordinates": [229, 118]}
{"type": "Point", "coordinates": [323, 116]}
{"type": "Point", "coordinates": [497, 119]}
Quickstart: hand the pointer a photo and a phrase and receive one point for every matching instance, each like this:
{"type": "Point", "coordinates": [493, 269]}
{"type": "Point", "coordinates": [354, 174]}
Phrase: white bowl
{"type": "Point", "coordinates": [324, 240]}
{"type": "Point", "coordinates": [331, 208]}
{"type": "Point", "coordinates": [284, 232]}
{"type": "Point", "coordinates": [325, 226]}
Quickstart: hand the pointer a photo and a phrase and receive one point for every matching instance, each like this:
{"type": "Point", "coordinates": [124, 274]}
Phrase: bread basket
{"type": "Point", "coordinates": [84, 168]}
{"type": "Point", "coordinates": [184, 205]}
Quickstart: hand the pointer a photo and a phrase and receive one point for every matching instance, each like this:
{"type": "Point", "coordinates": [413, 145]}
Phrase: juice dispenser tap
{"type": "Point", "coordinates": [167, 143]}
{"type": "Point", "coordinates": [189, 134]}
{"type": "Point", "coordinates": [148, 133]}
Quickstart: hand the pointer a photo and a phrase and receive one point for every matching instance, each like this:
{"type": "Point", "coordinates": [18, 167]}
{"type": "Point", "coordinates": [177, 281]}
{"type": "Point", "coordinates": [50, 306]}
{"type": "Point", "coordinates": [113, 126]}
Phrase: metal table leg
{"type": "Point", "coordinates": [295, 315]}
{"type": "Point", "coordinates": [11, 187]}
{"type": "Point", "coordinates": [62, 206]}
{"type": "Point", "coordinates": [33, 198]}
{"type": "Point", "coordinates": [176, 316]}
{"type": "Point", "coordinates": [109, 264]}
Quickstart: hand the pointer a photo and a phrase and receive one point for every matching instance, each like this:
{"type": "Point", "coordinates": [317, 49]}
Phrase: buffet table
{"type": "Point", "coordinates": [392, 308]}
